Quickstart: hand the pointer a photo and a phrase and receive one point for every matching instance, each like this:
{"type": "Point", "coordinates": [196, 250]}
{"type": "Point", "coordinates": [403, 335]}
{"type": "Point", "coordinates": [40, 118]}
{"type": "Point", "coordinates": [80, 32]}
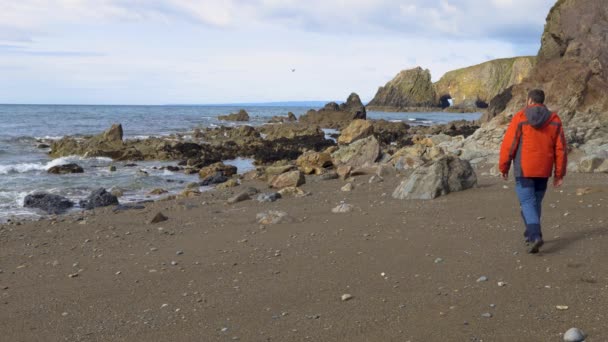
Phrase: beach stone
{"type": "Point", "coordinates": [345, 297]}
{"type": "Point", "coordinates": [112, 168]}
{"type": "Point", "coordinates": [52, 204]}
{"type": "Point", "coordinates": [482, 279]}
{"type": "Point", "coordinates": [272, 217]}
{"type": "Point", "coordinates": [189, 193]}
{"type": "Point", "coordinates": [218, 178]}
{"type": "Point", "coordinates": [375, 179]}
{"type": "Point", "coordinates": [360, 153]}
{"type": "Point", "coordinates": [118, 192]}
{"type": "Point", "coordinates": [448, 174]}
{"type": "Point", "coordinates": [159, 217]}
{"type": "Point", "coordinates": [289, 179]}
{"type": "Point", "coordinates": [348, 187]}
{"type": "Point", "coordinates": [243, 196]}
{"type": "Point", "coordinates": [231, 183]}
{"type": "Point", "coordinates": [158, 191]}
{"type": "Point", "coordinates": [293, 191]}
{"type": "Point", "coordinates": [486, 315]}
{"type": "Point", "coordinates": [589, 164]}
{"type": "Point", "coordinates": [65, 169]}
{"type": "Point", "coordinates": [344, 171]}
{"type": "Point", "coordinates": [314, 162]}
{"type": "Point", "coordinates": [277, 170]}
{"type": "Point", "coordinates": [268, 197]}
{"type": "Point", "coordinates": [342, 208]}
{"type": "Point", "coordinates": [574, 335]}
{"type": "Point", "coordinates": [98, 198]}
{"type": "Point", "coordinates": [358, 129]}
{"type": "Point", "coordinates": [329, 176]}
{"type": "Point", "coordinates": [213, 169]}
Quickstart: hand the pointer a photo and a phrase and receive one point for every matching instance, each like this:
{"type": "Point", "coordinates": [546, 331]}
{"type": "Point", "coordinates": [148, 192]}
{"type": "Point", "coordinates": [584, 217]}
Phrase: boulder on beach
{"type": "Point", "coordinates": [445, 175]}
{"type": "Point", "coordinates": [242, 115]}
{"type": "Point", "coordinates": [65, 169]}
{"type": "Point", "coordinates": [335, 115]}
{"type": "Point", "coordinates": [358, 129]}
{"type": "Point", "coordinates": [288, 179]}
{"type": "Point", "coordinates": [314, 162]}
{"type": "Point", "coordinates": [217, 178]}
{"type": "Point", "coordinates": [360, 153]}
{"type": "Point", "coordinates": [49, 203]}
{"type": "Point", "coordinates": [98, 198]}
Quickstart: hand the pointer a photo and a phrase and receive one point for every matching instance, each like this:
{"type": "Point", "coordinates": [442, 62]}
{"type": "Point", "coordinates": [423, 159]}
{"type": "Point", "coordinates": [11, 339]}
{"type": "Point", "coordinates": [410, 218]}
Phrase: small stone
{"type": "Point", "coordinates": [159, 217]}
{"type": "Point", "coordinates": [174, 263]}
{"type": "Point", "coordinates": [164, 306]}
{"type": "Point", "coordinates": [73, 275]}
{"type": "Point", "coordinates": [346, 297]}
{"type": "Point", "coordinates": [224, 329]}
{"type": "Point", "coordinates": [486, 315]}
{"type": "Point", "coordinates": [118, 273]}
{"type": "Point", "coordinates": [438, 260]}
{"type": "Point", "coordinates": [112, 168]}
{"type": "Point", "coordinates": [502, 284]}
{"type": "Point", "coordinates": [562, 307]}
{"type": "Point", "coordinates": [179, 253]}
{"type": "Point", "coordinates": [482, 279]}
{"type": "Point", "coordinates": [574, 335]}
{"type": "Point", "coordinates": [348, 187]}
{"type": "Point", "coordinates": [64, 314]}
{"type": "Point", "coordinates": [342, 208]}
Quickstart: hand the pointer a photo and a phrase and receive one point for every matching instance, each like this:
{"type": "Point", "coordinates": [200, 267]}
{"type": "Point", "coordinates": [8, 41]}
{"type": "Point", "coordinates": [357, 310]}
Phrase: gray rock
{"type": "Point", "coordinates": [482, 279]}
{"type": "Point", "coordinates": [360, 153]}
{"type": "Point", "coordinates": [574, 335]}
{"type": "Point", "coordinates": [268, 197]}
{"type": "Point", "coordinates": [447, 174]}
{"type": "Point", "coordinates": [65, 169]}
{"type": "Point", "coordinates": [52, 204]}
{"type": "Point", "coordinates": [98, 198]}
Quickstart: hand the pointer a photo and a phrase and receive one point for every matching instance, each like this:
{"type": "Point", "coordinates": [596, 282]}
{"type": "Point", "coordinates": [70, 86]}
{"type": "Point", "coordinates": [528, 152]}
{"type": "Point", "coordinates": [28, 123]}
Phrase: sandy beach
{"type": "Point", "coordinates": [414, 269]}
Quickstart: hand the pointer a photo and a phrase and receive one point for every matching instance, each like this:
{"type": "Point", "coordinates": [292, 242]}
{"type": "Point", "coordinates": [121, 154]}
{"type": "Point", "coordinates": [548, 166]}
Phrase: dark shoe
{"type": "Point", "coordinates": [536, 246]}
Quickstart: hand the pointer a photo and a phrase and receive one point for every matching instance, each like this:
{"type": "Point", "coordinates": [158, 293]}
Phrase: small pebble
{"type": "Point", "coordinates": [179, 253]}
{"type": "Point", "coordinates": [346, 297]}
{"type": "Point", "coordinates": [486, 315]}
{"type": "Point", "coordinates": [574, 335]}
{"type": "Point", "coordinates": [482, 279]}
{"type": "Point", "coordinates": [438, 260]}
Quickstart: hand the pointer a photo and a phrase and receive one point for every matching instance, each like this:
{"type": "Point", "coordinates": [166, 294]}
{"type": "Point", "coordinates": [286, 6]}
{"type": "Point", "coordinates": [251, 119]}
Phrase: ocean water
{"type": "Point", "coordinates": [23, 166]}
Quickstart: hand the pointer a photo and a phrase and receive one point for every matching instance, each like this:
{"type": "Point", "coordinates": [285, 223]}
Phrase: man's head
{"type": "Point", "coordinates": [536, 96]}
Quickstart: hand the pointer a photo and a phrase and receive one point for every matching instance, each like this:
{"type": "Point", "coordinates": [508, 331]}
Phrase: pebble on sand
{"type": "Point", "coordinates": [342, 208]}
{"type": "Point", "coordinates": [346, 297]}
{"type": "Point", "coordinates": [574, 335]}
{"type": "Point", "coordinates": [482, 279]}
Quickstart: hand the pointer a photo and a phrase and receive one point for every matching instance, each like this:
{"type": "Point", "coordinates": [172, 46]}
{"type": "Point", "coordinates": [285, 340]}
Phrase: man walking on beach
{"type": "Point", "coordinates": [535, 142]}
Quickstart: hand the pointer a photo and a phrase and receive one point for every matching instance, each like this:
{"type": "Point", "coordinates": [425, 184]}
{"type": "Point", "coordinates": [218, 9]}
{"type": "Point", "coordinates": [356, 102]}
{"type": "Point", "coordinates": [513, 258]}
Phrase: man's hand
{"type": "Point", "coordinates": [505, 175]}
{"type": "Point", "coordinates": [557, 182]}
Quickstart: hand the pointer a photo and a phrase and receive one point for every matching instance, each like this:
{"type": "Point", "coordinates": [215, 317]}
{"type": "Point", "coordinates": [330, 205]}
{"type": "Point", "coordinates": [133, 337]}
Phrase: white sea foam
{"type": "Point", "coordinates": [29, 167]}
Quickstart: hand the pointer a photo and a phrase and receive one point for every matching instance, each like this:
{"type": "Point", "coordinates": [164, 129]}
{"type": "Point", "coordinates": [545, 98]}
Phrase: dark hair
{"type": "Point", "coordinates": [537, 96]}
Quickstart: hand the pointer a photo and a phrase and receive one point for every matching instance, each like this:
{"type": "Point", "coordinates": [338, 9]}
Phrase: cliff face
{"type": "Point", "coordinates": [571, 68]}
{"type": "Point", "coordinates": [475, 86]}
{"type": "Point", "coordinates": [409, 89]}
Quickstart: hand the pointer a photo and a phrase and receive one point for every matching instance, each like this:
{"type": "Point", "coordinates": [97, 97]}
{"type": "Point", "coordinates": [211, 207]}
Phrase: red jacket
{"type": "Point", "coordinates": [535, 142]}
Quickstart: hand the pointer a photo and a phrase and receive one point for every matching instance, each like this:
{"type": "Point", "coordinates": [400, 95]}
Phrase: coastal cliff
{"type": "Point", "coordinates": [474, 86]}
{"type": "Point", "coordinates": [469, 88]}
{"type": "Point", "coordinates": [410, 89]}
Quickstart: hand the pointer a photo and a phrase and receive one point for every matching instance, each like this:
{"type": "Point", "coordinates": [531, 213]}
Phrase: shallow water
{"type": "Point", "coordinates": [23, 165]}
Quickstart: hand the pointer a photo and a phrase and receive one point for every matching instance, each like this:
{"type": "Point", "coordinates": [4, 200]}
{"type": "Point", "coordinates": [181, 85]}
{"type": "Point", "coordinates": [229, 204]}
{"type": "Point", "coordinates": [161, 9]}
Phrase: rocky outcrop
{"type": "Point", "coordinates": [475, 86]}
{"type": "Point", "coordinates": [291, 117]}
{"type": "Point", "coordinates": [225, 170]}
{"type": "Point", "coordinates": [336, 116]}
{"type": "Point", "coordinates": [242, 116]}
{"type": "Point", "coordinates": [98, 198]}
{"type": "Point", "coordinates": [65, 169]}
{"type": "Point", "coordinates": [409, 90]}
{"type": "Point", "coordinates": [358, 129]}
{"type": "Point", "coordinates": [49, 203]}
{"type": "Point", "coordinates": [447, 174]}
{"type": "Point", "coordinates": [314, 162]}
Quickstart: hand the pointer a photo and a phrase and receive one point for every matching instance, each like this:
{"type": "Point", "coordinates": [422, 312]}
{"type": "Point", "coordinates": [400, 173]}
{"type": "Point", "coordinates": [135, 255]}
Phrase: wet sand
{"type": "Point", "coordinates": [238, 280]}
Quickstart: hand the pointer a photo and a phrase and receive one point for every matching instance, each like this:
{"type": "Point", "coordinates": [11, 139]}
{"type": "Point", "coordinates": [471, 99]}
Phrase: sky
{"type": "Point", "coordinates": [230, 51]}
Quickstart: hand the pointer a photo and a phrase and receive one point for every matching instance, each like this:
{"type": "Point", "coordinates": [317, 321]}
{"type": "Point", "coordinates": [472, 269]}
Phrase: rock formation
{"type": "Point", "coordinates": [474, 87]}
{"type": "Point", "coordinates": [333, 115]}
{"type": "Point", "coordinates": [409, 90]}
{"type": "Point", "coordinates": [242, 115]}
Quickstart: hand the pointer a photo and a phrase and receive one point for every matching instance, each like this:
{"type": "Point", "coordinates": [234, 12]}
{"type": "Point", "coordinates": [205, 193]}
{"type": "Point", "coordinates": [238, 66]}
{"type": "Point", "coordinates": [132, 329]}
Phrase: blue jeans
{"type": "Point", "coordinates": [531, 192]}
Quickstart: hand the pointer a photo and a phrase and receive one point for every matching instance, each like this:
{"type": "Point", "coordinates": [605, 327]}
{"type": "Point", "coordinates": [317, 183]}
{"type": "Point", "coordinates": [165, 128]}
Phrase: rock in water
{"type": "Point", "coordinates": [226, 170]}
{"type": "Point", "coordinates": [574, 335]}
{"type": "Point", "coordinates": [113, 134]}
{"type": "Point", "coordinates": [65, 169]}
{"type": "Point", "coordinates": [159, 217]}
{"type": "Point", "coordinates": [360, 153]}
{"type": "Point", "coordinates": [448, 174]}
{"type": "Point", "coordinates": [98, 198]}
{"type": "Point", "coordinates": [289, 179]}
{"type": "Point", "coordinates": [408, 90]}
{"type": "Point", "coordinates": [333, 115]}
{"type": "Point", "coordinates": [218, 178]}
{"type": "Point", "coordinates": [52, 204]}
{"type": "Point", "coordinates": [358, 129]}
{"type": "Point", "coordinates": [242, 115]}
